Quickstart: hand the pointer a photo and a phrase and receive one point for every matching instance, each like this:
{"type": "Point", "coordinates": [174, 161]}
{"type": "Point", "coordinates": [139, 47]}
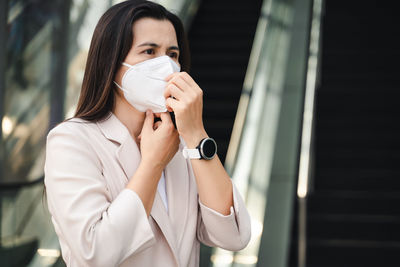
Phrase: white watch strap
{"type": "Point", "coordinates": [191, 153]}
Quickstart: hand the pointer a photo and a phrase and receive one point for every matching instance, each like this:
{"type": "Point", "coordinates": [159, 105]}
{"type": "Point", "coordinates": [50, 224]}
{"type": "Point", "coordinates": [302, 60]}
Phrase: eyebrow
{"type": "Point", "coordinates": [173, 47]}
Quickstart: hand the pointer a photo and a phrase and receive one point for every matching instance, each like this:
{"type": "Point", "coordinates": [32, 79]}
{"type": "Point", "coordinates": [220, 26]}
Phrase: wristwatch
{"type": "Point", "coordinates": [206, 149]}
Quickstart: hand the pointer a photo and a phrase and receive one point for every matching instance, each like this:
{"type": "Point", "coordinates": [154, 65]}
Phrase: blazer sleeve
{"type": "Point", "coordinates": [97, 231]}
{"type": "Point", "coordinates": [231, 232]}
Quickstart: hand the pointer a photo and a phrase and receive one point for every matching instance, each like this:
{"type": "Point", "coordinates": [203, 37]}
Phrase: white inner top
{"type": "Point", "coordinates": [162, 190]}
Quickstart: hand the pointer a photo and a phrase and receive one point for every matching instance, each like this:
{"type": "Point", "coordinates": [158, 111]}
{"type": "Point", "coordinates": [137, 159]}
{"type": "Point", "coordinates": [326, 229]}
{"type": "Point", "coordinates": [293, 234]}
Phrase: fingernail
{"type": "Point", "coordinates": [147, 112]}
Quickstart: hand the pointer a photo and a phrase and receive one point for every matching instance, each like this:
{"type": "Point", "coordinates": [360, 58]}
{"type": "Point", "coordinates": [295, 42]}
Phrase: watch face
{"type": "Point", "coordinates": [209, 148]}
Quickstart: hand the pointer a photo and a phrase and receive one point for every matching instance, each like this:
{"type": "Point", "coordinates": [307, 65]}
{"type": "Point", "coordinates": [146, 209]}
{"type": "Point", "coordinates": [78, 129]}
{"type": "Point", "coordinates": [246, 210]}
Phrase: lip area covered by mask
{"type": "Point", "coordinates": [143, 84]}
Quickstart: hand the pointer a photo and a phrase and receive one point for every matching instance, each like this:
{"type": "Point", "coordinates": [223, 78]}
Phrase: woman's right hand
{"type": "Point", "coordinates": [159, 141]}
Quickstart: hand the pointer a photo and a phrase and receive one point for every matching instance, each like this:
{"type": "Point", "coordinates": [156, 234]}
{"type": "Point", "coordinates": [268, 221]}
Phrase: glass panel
{"type": "Point", "coordinates": [27, 86]}
{"type": "Point", "coordinates": [263, 157]}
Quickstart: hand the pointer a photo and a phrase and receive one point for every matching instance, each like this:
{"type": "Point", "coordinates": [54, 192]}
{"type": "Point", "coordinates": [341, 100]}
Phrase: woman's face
{"type": "Point", "coordinates": [151, 38]}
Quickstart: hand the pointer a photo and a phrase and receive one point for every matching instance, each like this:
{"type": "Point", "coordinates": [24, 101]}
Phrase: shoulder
{"type": "Point", "coordinates": [73, 126]}
{"type": "Point", "coordinates": [72, 138]}
{"type": "Point", "coordinates": [72, 132]}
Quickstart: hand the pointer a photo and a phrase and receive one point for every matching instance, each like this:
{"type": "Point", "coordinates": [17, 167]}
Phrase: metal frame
{"type": "Point", "coordinates": [305, 177]}
{"type": "Point", "coordinates": [3, 54]}
{"type": "Point", "coordinates": [59, 63]}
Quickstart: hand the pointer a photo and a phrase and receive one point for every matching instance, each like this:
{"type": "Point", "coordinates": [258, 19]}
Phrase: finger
{"type": "Point", "coordinates": [172, 104]}
{"type": "Point", "coordinates": [148, 121]}
{"type": "Point", "coordinates": [169, 77]}
{"type": "Point", "coordinates": [156, 125]}
{"type": "Point", "coordinates": [179, 82]}
{"type": "Point", "coordinates": [186, 77]}
{"type": "Point", "coordinates": [165, 117]}
{"type": "Point", "coordinates": [173, 91]}
{"type": "Point", "coordinates": [189, 80]}
{"type": "Point", "coordinates": [193, 85]}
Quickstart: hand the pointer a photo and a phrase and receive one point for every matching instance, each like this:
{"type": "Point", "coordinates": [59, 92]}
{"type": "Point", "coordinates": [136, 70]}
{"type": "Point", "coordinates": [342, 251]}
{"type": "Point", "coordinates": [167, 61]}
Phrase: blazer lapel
{"type": "Point", "coordinates": [129, 156]}
{"type": "Point", "coordinates": [177, 186]}
{"type": "Point", "coordinates": [128, 153]}
{"type": "Point", "coordinates": [159, 214]}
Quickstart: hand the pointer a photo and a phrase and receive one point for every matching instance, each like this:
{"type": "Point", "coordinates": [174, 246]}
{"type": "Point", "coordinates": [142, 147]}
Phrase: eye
{"type": "Point", "coordinates": [173, 54]}
{"type": "Point", "coordinates": [149, 51]}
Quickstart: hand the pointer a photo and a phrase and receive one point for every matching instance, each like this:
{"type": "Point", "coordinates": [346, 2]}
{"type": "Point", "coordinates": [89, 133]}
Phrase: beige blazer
{"type": "Point", "coordinates": [100, 223]}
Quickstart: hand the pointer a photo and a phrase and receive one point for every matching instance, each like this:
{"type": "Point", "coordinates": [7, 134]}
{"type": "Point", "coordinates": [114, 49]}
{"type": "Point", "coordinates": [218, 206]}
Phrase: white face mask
{"type": "Point", "coordinates": [143, 84]}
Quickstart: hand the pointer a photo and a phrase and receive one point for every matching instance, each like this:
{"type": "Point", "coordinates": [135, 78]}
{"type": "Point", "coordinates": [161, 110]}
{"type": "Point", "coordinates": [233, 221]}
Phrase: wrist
{"type": "Point", "coordinates": [194, 139]}
{"type": "Point", "coordinates": [154, 166]}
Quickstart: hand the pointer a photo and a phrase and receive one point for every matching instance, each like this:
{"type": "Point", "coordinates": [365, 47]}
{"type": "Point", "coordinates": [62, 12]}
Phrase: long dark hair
{"type": "Point", "coordinates": [111, 42]}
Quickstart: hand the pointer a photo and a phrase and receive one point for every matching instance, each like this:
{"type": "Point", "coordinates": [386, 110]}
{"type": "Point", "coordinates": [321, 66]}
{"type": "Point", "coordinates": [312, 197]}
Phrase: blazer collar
{"type": "Point", "coordinates": [113, 129]}
{"type": "Point", "coordinates": [176, 176]}
{"type": "Point", "coordinates": [128, 153]}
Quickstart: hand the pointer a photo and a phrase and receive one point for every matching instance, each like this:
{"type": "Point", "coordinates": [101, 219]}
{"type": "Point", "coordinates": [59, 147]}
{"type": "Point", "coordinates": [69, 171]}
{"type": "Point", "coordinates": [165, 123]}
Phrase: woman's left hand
{"type": "Point", "coordinates": [185, 98]}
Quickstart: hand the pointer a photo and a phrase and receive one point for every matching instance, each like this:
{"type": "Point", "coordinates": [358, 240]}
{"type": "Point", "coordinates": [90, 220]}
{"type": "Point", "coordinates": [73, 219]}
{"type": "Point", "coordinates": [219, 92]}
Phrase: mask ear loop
{"type": "Point", "coordinates": [118, 85]}
{"type": "Point", "coordinates": [127, 65]}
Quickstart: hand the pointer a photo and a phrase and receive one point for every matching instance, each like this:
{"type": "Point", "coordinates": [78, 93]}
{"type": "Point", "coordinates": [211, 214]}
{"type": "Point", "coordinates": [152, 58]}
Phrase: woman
{"type": "Point", "coordinates": [125, 186]}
